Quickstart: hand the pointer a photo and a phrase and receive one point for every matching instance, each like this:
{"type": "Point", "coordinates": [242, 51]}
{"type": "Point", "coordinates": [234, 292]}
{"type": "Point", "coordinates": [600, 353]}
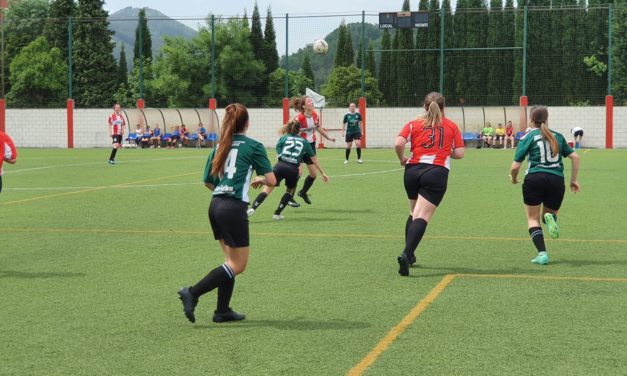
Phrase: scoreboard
{"type": "Point", "coordinates": [403, 20]}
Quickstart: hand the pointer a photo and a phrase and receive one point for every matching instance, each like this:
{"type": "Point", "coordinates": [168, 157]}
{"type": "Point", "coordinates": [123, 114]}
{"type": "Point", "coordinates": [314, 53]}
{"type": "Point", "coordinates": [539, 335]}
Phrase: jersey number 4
{"type": "Point", "coordinates": [229, 165]}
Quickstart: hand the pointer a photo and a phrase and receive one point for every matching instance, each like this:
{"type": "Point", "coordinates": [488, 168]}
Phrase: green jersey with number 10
{"type": "Point", "coordinates": [539, 151]}
{"type": "Point", "coordinates": [245, 156]}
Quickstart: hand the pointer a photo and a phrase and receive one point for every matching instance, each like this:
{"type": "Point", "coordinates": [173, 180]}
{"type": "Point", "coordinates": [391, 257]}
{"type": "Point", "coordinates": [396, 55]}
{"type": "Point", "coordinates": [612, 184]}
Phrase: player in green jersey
{"type": "Point", "coordinates": [228, 174]}
{"type": "Point", "coordinates": [351, 127]}
{"type": "Point", "coordinates": [291, 149]}
{"type": "Point", "coordinates": [543, 188]}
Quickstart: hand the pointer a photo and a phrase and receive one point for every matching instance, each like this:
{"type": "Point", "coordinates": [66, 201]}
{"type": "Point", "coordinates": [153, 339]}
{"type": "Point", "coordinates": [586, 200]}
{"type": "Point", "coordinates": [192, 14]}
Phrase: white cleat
{"type": "Point", "coordinates": [360, 161]}
{"type": "Point", "coordinates": [277, 217]}
{"type": "Point", "coordinates": [346, 161]}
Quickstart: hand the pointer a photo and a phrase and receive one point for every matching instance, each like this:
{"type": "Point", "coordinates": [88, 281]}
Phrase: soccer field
{"type": "Point", "coordinates": [92, 255]}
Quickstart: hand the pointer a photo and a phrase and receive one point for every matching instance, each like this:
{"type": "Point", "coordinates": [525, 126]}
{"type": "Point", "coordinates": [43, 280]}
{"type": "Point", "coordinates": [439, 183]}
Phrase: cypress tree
{"type": "Point", "coordinates": [371, 64]}
{"type": "Point", "coordinates": [449, 58]}
{"type": "Point", "coordinates": [306, 67]}
{"type": "Point", "coordinates": [386, 67]}
{"type": "Point", "coordinates": [142, 35]}
{"type": "Point", "coordinates": [405, 86]}
{"type": "Point", "coordinates": [539, 52]}
{"type": "Point", "coordinates": [56, 29]}
{"type": "Point", "coordinates": [344, 54]}
{"type": "Point", "coordinates": [422, 68]}
{"type": "Point", "coordinates": [508, 32]}
{"type": "Point", "coordinates": [495, 69]}
{"type": "Point", "coordinates": [619, 53]}
{"type": "Point", "coordinates": [95, 68]}
{"type": "Point", "coordinates": [432, 58]}
{"type": "Point", "coordinates": [271, 56]}
{"type": "Point", "coordinates": [122, 68]}
{"type": "Point", "coordinates": [256, 35]}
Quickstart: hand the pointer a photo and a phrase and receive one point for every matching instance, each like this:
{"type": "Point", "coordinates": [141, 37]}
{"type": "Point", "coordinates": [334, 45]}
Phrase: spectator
{"type": "Point", "coordinates": [577, 136]}
{"type": "Point", "coordinates": [156, 137]}
{"type": "Point", "coordinates": [184, 135]}
{"type": "Point", "coordinates": [509, 134]}
{"type": "Point", "coordinates": [499, 134]}
{"type": "Point", "coordinates": [146, 136]}
{"type": "Point", "coordinates": [139, 132]}
{"type": "Point", "coordinates": [487, 135]}
{"type": "Point", "coordinates": [202, 135]}
{"type": "Point", "coordinates": [175, 137]}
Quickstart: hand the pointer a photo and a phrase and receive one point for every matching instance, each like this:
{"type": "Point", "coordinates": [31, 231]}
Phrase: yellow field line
{"type": "Point", "coordinates": [299, 234]}
{"type": "Point", "coordinates": [367, 361]}
{"type": "Point", "coordinates": [93, 189]}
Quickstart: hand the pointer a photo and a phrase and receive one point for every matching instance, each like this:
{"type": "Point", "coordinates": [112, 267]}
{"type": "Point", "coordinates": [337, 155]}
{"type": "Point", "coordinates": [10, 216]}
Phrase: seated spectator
{"type": "Point", "coordinates": [487, 135]}
{"type": "Point", "coordinates": [202, 135]}
{"type": "Point", "coordinates": [176, 136]}
{"type": "Point", "coordinates": [138, 134]}
{"type": "Point", "coordinates": [145, 139]}
{"type": "Point", "coordinates": [499, 135]}
{"type": "Point", "coordinates": [184, 135]}
{"type": "Point", "coordinates": [155, 140]}
{"type": "Point", "coordinates": [509, 134]}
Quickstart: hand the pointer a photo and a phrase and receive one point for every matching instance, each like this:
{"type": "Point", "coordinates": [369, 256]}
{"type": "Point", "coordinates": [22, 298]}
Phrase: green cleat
{"type": "Point", "coordinates": [541, 259]}
{"type": "Point", "coordinates": [554, 229]}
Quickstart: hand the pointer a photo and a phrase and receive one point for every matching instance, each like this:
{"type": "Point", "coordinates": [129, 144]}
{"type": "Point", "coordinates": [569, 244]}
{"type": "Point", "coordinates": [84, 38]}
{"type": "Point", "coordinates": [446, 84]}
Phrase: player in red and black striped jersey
{"type": "Point", "coordinates": [8, 152]}
{"type": "Point", "coordinates": [117, 125]}
{"type": "Point", "coordinates": [434, 141]}
{"type": "Point", "coordinates": [309, 124]}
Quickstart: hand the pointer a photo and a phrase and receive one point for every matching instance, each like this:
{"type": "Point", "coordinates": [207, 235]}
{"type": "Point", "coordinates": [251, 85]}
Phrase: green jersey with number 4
{"type": "Point", "coordinates": [292, 149]}
{"type": "Point", "coordinates": [539, 151]}
{"type": "Point", "coordinates": [245, 156]}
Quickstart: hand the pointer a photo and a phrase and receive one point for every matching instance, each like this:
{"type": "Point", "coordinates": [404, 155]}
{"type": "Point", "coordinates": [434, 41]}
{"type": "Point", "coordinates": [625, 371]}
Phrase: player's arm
{"type": "Point", "coordinates": [574, 185]}
{"type": "Point", "coordinates": [324, 133]}
{"type": "Point", "coordinates": [110, 130]}
{"type": "Point", "coordinates": [267, 179]}
{"type": "Point", "coordinates": [314, 159]}
{"type": "Point", "coordinates": [458, 151]}
{"type": "Point", "coordinates": [513, 172]}
{"type": "Point", "coordinates": [399, 148]}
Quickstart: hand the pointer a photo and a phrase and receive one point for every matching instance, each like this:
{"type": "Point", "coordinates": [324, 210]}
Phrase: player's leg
{"type": "Point", "coordinates": [309, 180]}
{"type": "Point", "coordinates": [358, 147]}
{"type": "Point", "coordinates": [349, 145]}
{"type": "Point", "coordinates": [291, 179]}
{"type": "Point", "coordinates": [533, 194]}
{"type": "Point", "coordinates": [260, 199]}
{"type": "Point", "coordinates": [552, 203]}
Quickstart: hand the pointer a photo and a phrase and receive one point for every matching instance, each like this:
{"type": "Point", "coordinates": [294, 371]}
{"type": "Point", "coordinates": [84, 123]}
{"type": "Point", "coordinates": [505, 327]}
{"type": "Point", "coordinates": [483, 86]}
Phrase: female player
{"type": "Point", "coordinates": [227, 173]}
{"type": "Point", "coordinates": [434, 141]}
{"type": "Point", "coordinates": [309, 124]}
{"type": "Point", "coordinates": [8, 152]}
{"type": "Point", "coordinates": [291, 149]}
{"type": "Point", "coordinates": [117, 124]}
{"type": "Point", "coordinates": [543, 188]}
{"type": "Point", "coordinates": [351, 127]}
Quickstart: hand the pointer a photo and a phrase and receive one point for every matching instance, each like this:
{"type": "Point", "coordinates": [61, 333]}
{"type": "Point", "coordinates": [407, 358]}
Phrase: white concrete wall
{"type": "Point", "coordinates": [47, 127]}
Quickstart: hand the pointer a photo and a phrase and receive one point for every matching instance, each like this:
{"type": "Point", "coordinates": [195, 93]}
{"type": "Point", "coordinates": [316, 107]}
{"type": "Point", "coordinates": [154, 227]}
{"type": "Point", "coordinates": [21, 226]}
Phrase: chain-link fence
{"type": "Point", "coordinates": [560, 55]}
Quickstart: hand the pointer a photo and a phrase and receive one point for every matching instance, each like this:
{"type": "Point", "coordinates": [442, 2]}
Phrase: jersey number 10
{"type": "Point", "coordinates": [545, 152]}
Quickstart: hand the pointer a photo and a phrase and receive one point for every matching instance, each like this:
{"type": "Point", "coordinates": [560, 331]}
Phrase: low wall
{"type": "Point", "coordinates": [47, 127]}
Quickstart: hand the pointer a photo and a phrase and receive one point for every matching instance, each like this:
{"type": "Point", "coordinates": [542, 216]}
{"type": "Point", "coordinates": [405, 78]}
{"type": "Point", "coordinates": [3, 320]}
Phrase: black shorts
{"type": "Point", "coordinates": [288, 171]}
{"type": "Point", "coordinates": [543, 188]}
{"type": "Point", "coordinates": [578, 134]}
{"type": "Point", "coordinates": [499, 137]}
{"type": "Point", "coordinates": [229, 221]}
{"type": "Point", "coordinates": [307, 159]}
{"type": "Point", "coordinates": [353, 136]}
{"type": "Point", "coordinates": [117, 139]}
{"type": "Point", "coordinates": [426, 180]}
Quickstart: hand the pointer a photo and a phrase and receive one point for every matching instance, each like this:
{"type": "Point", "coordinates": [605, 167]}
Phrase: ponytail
{"type": "Point", "coordinates": [298, 103]}
{"type": "Point", "coordinates": [292, 127]}
{"type": "Point", "coordinates": [539, 116]}
{"type": "Point", "coordinates": [235, 121]}
{"type": "Point", "coordinates": [434, 105]}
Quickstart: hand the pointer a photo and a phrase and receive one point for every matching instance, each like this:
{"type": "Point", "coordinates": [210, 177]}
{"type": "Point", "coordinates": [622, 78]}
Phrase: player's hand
{"type": "Point", "coordinates": [404, 161]}
{"type": "Point", "coordinates": [325, 178]}
{"type": "Point", "coordinates": [258, 181]}
{"type": "Point", "coordinates": [513, 179]}
{"type": "Point", "coordinates": [332, 139]}
{"type": "Point", "coordinates": [574, 186]}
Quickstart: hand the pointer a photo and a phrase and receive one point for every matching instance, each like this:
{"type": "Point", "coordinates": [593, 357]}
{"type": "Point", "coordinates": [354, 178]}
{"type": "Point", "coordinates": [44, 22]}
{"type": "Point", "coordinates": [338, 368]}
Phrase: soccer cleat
{"type": "Point", "coordinates": [293, 203]}
{"type": "Point", "coordinates": [229, 315]}
{"type": "Point", "coordinates": [360, 161]}
{"type": "Point", "coordinates": [403, 265]}
{"type": "Point", "coordinates": [411, 260]}
{"type": "Point", "coordinates": [189, 303]}
{"type": "Point", "coordinates": [111, 161]}
{"type": "Point", "coordinates": [305, 197]}
{"type": "Point", "coordinates": [277, 217]}
{"type": "Point", "coordinates": [346, 161]}
{"type": "Point", "coordinates": [541, 259]}
{"type": "Point", "coordinates": [554, 229]}
{"type": "Point", "coordinates": [250, 212]}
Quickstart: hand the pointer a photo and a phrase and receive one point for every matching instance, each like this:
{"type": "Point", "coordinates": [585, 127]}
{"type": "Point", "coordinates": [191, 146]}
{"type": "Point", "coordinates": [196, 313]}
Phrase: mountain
{"type": "Point", "coordinates": [124, 22]}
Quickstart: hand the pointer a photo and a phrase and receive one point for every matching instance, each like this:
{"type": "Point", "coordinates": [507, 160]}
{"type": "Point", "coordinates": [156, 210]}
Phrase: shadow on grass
{"type": "Point", "coordinates": [26, 275]}
{"type": "Point", "coordinates": [579, 263]}
{"type": "Point", "coordinates": [290, 218]}
{"type": "Point", "coordinates": [418, 271]}
{"type": "Point", "coordinates": [292, 324]}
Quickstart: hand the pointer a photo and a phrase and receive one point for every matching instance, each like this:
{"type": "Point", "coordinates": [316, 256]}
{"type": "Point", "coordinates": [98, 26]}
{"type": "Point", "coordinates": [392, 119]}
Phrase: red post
{"type": "Point", "coordinates": [286, 110]}
{"type": "Point", "coordinates": [362, 112]}
{"type": "Point", "coordinates": [522, 121]}
{"type": "Point", "coordinates": [70, 123]}
{"type": "Point", "coordinates": [524, 101]}
{"type": "Point", "coordinates": [3, 106]}
{"type": "Point", "coordinates": [213, 104]}
{"type": "Point", "coordinates": [609, 122]}
{"type": "Point", "coordinates": [140, 103]}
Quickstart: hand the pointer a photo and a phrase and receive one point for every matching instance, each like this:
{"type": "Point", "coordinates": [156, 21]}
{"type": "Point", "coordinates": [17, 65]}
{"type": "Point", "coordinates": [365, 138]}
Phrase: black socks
{"type": "Point", "coordinates": [415, 231]}
{"type": "Point", "coordinates": [113, 153]}
{"type": "Point", "coordinates": [259, 200]}
{"type": "Point", "coordinates": [358, 153]}
{"type": "Point", "coordinates": [348, 153]}
{"type": "Point", "coordinates": [308, 183]}
{"type": "Point", "coordinates": [537, 237]}
{"type": "Point", "coordinates": [284, 200]}
{"type": "Point", "coordinates": [215, 278]}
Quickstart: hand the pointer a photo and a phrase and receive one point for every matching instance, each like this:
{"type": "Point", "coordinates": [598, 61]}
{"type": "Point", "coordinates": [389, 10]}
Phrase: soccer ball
{"type": "Point", "coordinates": [320, 46]}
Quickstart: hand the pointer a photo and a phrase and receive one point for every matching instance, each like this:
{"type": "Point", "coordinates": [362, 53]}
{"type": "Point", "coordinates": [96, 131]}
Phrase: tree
{"type": "Point", "coordinates": [343, 86]}
{"type": "Point", "coordinates": [344, 55]}
{"type": "Point", "coordinates": [404, 65]}
{"type": "Point", "coordinates": [306, 67]}
{"type": "Point", "coordinates": [123, 68]}
{"type": "Point", "coordinates": [495, 77]}
{"type": "Point", "coordinates": [256, 35]}
{"type": "Point", "coordinates": [38, 76]}
{"type": "Point", "coordinates": [22, 25]}
{"type": "Point", "coordinates": [94, 65]}
{"type": "Point", "coordinates": [386, 68]}
{"type": "Point", "coordinates": [56, 27]}
{"type": "Point", "coordinates": [298, 82]}
{"type": "Point", "coordinates": [619, 54]}
{"type": "Point", "coordinates": [271, 56]}
{"type": "Point", "coordinates": [371, 64]}
{"type": "Point", "coordinates": [143, 39]}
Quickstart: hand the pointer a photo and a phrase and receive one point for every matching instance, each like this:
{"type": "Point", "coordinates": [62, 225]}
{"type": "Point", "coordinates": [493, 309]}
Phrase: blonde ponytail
{"type": "Point", "coordinates": [434, 105]}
